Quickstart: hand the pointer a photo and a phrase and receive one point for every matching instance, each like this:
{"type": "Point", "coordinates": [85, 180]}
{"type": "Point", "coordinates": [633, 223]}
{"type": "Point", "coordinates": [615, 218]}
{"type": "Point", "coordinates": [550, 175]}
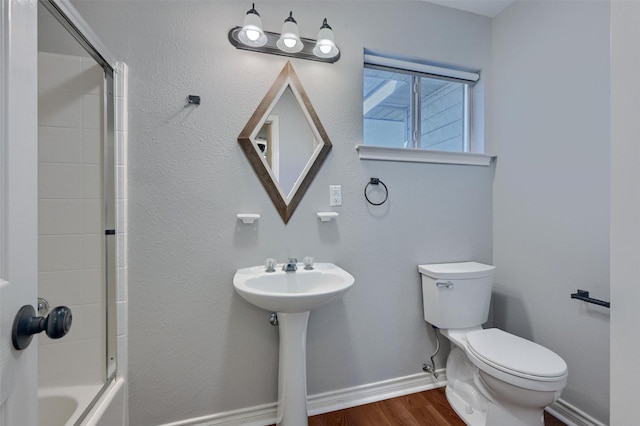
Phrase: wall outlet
{"type": "Point", "coordinates": [335, 195]}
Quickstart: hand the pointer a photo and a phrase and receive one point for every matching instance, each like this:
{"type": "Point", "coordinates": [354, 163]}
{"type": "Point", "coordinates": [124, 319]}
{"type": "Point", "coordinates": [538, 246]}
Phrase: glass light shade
{"type": "Point", "coordinates": [251, 33]}
{"type": "Point", "coordinates": [325, 46]}
{"type": "Point", "coordinates": [289, 40]}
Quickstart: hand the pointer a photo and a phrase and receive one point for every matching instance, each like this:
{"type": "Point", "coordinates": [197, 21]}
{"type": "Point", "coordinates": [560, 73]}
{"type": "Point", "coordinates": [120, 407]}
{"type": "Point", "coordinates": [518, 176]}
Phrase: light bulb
{"type": "Point", "coordinates": [325, 48]}
{"type": "Point", "coordinates": [289, 42]}
{"type": "Point", "coordinates": [253, 35]}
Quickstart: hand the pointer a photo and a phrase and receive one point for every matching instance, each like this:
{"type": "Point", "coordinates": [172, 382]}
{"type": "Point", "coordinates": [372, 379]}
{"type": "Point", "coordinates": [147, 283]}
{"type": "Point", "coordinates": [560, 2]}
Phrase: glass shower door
{"type": "Point", "coordinates": [76, 205]}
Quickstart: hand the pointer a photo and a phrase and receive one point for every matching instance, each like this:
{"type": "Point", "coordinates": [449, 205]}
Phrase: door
{"type": "Point", "coordinates": [18, 205]}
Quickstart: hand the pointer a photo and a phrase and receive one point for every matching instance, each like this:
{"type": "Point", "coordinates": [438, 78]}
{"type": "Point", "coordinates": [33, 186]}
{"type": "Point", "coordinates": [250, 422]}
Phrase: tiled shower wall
{"type": "Point", "coordinates": [71, 216]}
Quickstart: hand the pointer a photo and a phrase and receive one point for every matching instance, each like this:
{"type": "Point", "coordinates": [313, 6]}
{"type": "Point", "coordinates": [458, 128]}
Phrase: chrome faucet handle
{"type": "Point", "coordinates": [308, 262]}
{"type": "Point", "coordinates": [270, 265]}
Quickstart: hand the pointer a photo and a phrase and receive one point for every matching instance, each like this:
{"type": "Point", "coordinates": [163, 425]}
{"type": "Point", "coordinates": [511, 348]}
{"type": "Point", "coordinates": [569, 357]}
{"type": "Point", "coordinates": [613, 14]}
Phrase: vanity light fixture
{"type": "Point", "coordinates": [251, 33]}
{"type": "Point", "coordinates": [252, 37]}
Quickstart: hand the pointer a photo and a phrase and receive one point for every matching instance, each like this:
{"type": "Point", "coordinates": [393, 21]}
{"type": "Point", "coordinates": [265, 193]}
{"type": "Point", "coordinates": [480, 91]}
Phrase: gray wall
{"type": "Point", "coordinates": [197, 348]}
{"type": "Point", "coordinates": [551, 191]}
{"type": "Point", "coordinates": [625, 210]}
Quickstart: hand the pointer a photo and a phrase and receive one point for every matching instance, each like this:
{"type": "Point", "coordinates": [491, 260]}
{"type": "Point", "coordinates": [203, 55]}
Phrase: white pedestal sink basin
{"type": "Point", "coordinates": [292, 295]}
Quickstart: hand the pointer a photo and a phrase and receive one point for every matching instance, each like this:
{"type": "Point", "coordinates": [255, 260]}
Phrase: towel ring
{"type": "Point", "coordinates": [376, 181]}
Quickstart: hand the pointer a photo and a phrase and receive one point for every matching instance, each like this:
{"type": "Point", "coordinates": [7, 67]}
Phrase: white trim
{"type": "Point", "coordinates": [373, 392]}
{"type": "Point", "coordinates": [381, 153]}
{"type": "Point", "coordinates": [325, 402]}
{"type": "Point", "coordinates": [19, 169]}
{"type": "Point", "coordinates": [571, 415]}
{"type": "Point", "coordinates": [3, 135]}
{"type": "Point", "coordinates": [121, 88]}
{"type": "Point", "coordinates": [384, 61]}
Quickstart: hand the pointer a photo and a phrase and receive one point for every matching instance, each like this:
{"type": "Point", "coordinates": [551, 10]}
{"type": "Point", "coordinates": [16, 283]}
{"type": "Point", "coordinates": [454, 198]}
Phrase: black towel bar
{"type": "Point", "coordinates": [584, 296]}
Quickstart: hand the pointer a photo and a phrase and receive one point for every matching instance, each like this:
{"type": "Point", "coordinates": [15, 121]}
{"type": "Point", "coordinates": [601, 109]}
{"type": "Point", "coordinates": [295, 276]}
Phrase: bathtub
{"type": "Point", "coordinates": [66, 406]}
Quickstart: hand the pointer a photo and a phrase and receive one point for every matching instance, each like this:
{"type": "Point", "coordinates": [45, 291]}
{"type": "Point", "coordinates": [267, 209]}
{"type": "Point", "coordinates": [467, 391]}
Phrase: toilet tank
{"type": "Point", "coordinates": [456, 295]}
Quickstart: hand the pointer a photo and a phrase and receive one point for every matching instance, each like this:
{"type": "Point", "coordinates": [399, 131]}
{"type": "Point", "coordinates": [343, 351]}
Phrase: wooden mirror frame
{"type": "Point", "coordinates": [287, 77]}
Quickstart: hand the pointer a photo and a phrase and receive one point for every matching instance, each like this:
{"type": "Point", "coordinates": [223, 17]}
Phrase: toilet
{"type": "Point", "coordinates": [493, 378]}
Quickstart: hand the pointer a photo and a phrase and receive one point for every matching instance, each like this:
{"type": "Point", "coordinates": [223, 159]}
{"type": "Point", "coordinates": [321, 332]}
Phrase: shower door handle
{"type": "Point", "coordinates": [57, 324]}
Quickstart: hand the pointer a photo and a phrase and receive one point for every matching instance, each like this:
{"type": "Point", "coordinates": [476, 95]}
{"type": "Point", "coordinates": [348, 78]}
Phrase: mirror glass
{"type": "Point", "coordinates": [285, 142]}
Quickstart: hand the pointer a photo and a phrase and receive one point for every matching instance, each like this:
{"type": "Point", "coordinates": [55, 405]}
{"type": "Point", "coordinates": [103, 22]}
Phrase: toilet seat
{"type": "Point", "coordinates": [516, 360]}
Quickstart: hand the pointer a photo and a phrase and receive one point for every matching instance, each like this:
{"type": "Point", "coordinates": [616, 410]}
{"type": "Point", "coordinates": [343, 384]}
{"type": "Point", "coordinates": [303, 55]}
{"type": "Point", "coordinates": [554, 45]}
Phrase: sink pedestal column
{"type": "Point", "coordinates": [292, 374]}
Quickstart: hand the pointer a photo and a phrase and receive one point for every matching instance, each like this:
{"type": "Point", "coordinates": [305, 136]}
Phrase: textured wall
{"type": "Point", "coordinates": [551, 191]}
{"type": "Point", "coordinates": [197, 348]}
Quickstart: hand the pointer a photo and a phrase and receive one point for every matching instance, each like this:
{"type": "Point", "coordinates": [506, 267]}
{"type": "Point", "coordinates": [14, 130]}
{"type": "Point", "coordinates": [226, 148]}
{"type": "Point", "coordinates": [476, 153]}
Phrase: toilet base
{"type": "Point", "coordinates": [483, 400]}
{"type": "Point", "coordinates": [494, 415]}
{"type": "Point", "coordinates": [470, 416]}
{"type": "Point", "coordinates": [511, 405]}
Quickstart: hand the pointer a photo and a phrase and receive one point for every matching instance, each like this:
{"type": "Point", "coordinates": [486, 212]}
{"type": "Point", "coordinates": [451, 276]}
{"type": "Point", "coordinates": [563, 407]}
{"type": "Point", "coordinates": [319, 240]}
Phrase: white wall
{"type": "Point", "coordinates": [625, 206]}
{"type": "Point", "coordinates": [551, 191]}
{"type": "Point", "coordinates": [197, 348]}
{"type": "Point", "coordinates": [70, 216]}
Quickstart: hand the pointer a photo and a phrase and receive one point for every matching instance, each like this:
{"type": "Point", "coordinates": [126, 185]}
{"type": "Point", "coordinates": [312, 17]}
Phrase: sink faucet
{"type": "Point", "coordinates": [290, 266]}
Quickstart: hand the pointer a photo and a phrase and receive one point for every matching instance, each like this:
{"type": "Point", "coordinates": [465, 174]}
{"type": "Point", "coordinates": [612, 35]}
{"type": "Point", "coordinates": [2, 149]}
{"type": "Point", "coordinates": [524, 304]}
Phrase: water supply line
{"type": "Point", "coordinates": [431, 368]}
{"type": "Point", "coordinates": [273, 319]}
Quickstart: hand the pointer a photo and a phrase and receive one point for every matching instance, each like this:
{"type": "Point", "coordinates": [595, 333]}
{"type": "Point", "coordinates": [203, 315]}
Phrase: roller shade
{"type": "Point", "coordinates": [383, 61]}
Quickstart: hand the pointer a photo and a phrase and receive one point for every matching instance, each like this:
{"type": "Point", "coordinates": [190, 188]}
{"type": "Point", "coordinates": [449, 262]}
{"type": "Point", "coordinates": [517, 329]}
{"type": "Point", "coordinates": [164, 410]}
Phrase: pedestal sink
{"type": "Point", "coordinates": [292, 295]}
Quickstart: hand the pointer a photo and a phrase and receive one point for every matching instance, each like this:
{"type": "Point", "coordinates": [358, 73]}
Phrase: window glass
{"type": "Point", "coordinates": [387, 108]}
{"type": "Point", "coordinates": [407, 109]}
{"type": "Point", "coordinates": [442, 118]}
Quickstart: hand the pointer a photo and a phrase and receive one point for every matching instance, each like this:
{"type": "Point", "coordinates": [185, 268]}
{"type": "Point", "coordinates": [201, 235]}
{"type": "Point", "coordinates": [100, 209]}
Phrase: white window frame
{"type": "Point", "coordinates": [469, 157]}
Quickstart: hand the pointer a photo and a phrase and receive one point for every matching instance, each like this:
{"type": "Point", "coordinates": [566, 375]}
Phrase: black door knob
{"type": "Point", "coordinates": [26, 324]}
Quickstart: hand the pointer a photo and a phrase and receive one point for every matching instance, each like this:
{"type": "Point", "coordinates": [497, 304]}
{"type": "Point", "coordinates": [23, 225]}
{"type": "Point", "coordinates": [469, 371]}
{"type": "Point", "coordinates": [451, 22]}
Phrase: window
{"type": "Point", "coordinates": [416, 105]}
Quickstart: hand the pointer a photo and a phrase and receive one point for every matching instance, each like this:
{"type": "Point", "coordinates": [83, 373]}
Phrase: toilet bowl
{"type": "Point", "coordinates": [493, 378]}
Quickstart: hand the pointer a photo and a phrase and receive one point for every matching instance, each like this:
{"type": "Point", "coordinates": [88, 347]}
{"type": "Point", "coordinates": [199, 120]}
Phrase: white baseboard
{"type": "Point", "coordinates": [261, 415]}
{"type": "Point", "coordinates": [265, 414]}
{"type": "Point", "coordinates": [373, 392]}
{"type": "Point", "coordinates": [571, 415]}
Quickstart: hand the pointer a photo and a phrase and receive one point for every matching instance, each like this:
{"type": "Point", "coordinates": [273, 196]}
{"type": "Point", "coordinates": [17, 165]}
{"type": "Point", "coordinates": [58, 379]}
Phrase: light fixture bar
{"type": "Point", "coordinates": [271, 48]}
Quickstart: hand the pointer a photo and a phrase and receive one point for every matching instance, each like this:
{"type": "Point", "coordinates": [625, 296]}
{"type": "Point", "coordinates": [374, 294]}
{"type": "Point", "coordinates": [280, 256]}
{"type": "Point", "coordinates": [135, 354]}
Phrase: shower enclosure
{"type": "Point", "coordinates": [77, 211]}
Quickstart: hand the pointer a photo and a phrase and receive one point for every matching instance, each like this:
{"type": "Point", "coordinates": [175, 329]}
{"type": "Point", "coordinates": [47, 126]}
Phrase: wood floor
{"type": "Point", "coordinates": [418, 409]}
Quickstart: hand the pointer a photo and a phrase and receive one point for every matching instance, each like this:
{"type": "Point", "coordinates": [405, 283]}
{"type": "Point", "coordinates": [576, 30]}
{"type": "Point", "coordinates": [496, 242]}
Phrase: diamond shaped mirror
{"type": "Point", "coordinates": [285, 142]}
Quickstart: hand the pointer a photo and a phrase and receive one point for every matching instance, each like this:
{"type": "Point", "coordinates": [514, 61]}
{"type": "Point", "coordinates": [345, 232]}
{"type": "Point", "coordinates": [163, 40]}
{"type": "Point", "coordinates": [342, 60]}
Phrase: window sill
{"type": "Point", "coordinates": [379, 153]}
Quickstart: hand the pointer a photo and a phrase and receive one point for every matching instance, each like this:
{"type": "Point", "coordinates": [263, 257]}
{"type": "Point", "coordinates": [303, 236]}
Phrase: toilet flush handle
{"type": "Point", "coordinates": [446, 284]}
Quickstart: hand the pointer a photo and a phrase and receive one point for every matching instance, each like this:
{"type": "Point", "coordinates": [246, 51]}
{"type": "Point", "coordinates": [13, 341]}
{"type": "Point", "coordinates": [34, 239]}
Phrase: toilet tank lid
{"type": "Point", "coordinates": [460, 270]}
